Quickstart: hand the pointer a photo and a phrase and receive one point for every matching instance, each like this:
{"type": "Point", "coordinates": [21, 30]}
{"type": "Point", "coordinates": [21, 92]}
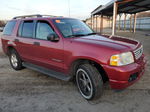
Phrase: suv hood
{"type": "Point", "coordinates": [118, 43]}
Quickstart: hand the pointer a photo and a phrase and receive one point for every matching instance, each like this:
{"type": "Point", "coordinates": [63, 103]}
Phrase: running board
{"type": "Point", "coordinates": [46, 71]}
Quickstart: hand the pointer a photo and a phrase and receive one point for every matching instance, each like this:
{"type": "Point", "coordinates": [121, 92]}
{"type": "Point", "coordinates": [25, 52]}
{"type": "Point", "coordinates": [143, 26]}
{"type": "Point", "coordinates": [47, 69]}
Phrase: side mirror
{"type": "Point", "coordinates": [53, 37]}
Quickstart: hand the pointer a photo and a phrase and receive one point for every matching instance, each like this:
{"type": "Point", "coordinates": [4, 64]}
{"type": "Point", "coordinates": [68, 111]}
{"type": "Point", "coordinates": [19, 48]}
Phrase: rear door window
{"type": "Point", "coordinates": [27, 29]}
{"type": "Point", "coordinates": [9, 28]}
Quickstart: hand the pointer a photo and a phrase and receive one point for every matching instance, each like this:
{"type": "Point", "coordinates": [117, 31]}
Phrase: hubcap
{"type": "Point", "coordinates": [84, 83]}
{"type": "Point", "coordinates": [14, 60]}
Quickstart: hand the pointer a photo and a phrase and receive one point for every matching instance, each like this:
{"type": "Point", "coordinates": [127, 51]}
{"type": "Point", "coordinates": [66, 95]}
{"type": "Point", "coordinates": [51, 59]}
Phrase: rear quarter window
{"type": "Point", "coordinates": [9, 28]}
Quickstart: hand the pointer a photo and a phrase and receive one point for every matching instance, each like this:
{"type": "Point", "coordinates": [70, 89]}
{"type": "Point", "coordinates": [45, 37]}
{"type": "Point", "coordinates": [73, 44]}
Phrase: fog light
{"type": "Point", "coordinates": [133, 77]}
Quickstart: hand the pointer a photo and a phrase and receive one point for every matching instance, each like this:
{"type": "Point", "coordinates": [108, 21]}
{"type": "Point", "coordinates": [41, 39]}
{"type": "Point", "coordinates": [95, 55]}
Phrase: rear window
{"type": "Point", "coordinates": [9, 28]}
{"type": "Point", "coordinates": [27, 29]}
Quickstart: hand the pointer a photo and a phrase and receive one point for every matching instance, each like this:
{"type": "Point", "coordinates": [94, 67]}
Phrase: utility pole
{"type": "Point", "coordinates": [69, 8]}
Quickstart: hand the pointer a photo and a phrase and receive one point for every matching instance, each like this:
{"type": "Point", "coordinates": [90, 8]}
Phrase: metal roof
{"type": "Point", "coordinates": [124, 6]}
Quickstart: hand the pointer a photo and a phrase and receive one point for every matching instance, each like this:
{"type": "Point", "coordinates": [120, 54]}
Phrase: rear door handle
{"type": "Point", "coordinates": [16, 40]}
{"type": "Point", "coordinates": [36, 43]}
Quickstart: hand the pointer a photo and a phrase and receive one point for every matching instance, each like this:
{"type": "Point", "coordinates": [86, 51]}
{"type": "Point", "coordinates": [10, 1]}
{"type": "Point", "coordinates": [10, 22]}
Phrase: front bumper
{"type": "Point", "coordinates": [119, 76]}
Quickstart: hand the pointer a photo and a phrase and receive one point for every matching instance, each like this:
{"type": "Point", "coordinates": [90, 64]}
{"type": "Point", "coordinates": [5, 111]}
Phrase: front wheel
{"type": "Point", "coordinates": [89, 82]}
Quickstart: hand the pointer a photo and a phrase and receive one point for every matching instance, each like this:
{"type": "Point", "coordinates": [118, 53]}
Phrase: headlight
{"type": "Point", "coordinates": [121, 59]}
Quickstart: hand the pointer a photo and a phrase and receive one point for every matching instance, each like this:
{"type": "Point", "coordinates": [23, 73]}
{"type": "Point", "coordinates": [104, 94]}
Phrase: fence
{"type": "Point", "coordinates": [141, 23]}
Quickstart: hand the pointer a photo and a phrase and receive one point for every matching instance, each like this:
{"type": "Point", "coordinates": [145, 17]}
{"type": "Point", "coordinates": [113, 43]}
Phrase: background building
{"type": "Point", "coordinates": [106, 22]}
{"type": "Point", "coordinates": [142, 22]}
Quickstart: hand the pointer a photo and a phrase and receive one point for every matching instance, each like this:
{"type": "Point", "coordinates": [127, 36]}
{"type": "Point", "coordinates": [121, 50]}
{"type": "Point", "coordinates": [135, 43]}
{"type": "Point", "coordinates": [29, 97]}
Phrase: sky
{"type": "Point", "coordinates": [80, 9]}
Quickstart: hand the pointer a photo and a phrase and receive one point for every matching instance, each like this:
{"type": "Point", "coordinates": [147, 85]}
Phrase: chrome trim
{"type": "Point", "coordinates": [138, 52]}
{"type": "Point", "coordinates": [56, 60]}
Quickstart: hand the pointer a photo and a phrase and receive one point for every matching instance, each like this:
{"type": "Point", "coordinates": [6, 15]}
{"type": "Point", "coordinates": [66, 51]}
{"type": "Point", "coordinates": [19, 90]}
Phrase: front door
{"type": "Point", "coordinates": [48, 54]}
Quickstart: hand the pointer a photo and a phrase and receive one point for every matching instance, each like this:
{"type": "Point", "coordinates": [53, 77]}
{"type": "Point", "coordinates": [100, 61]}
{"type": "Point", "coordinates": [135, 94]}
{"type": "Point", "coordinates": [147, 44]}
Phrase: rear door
{"type": "Point", "coordinates": [25, 39]}
{"type": "Point", "coordinates": [48, 54]}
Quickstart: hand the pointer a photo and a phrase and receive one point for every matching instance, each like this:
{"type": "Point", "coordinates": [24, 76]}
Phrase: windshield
{"type": "Point", "coordinates": [72, 27]}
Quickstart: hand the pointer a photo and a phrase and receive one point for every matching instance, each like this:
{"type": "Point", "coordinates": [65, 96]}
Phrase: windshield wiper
{"type": "Point", "coordinates": [77, 35]}
{"type": "Point", "coordinates": [92, 33]}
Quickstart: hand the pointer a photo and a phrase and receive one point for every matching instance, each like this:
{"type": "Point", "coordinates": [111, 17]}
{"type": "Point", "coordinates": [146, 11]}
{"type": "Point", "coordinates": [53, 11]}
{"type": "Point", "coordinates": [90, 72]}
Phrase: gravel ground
{"type": "Point", "coordinates": [31, 91]}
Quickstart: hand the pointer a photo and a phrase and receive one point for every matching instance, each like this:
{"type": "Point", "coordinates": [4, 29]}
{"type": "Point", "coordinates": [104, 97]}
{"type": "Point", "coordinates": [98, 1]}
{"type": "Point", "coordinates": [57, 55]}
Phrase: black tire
{"type": "Point", "coordinates": [13, 54]}
{"type": "Point", "coordinates": [93, 84]}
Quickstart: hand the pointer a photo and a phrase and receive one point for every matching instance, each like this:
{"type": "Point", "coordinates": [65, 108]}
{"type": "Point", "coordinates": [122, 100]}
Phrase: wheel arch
{"type": "Point", "coordinates": [76, 63]}
{"type": "Point", "coordinates": [9, 48]}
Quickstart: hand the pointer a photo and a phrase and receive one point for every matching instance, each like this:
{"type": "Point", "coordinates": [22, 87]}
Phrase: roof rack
{"type": "Point", "coordinates": [36, 15]}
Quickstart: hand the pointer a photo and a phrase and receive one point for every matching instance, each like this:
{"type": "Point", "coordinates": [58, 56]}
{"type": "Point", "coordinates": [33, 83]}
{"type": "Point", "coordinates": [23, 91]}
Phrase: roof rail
{"type": "Point", "coordinates": [36, 15]}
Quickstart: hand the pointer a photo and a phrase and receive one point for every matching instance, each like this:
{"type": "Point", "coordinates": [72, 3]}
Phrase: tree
{"type": "Point", "coordinates": [2, 23]}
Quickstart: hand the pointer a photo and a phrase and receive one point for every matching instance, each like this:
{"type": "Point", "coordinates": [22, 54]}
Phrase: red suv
{"type": "Point", "coordinates": [66, 48]}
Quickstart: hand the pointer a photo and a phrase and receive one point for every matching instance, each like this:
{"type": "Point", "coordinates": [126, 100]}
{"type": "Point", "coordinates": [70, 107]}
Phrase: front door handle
{"type": "Point", "coordinates": [16, 40]}
{"type": "Point", "coordinates": [36, 43]}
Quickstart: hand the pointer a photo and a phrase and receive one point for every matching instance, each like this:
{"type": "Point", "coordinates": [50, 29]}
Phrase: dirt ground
{"type": "Point", "coordinates": [31, 91]}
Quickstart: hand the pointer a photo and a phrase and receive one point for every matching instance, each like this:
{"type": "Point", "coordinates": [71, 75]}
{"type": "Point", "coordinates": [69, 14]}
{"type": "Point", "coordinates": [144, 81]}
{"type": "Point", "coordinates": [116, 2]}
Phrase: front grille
{"type": "Point", "coordinates": [138, 52]}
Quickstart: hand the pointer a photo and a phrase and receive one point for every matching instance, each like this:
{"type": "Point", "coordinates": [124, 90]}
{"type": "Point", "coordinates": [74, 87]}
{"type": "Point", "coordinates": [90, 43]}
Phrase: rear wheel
{"type": "Point", "coordinates": [89, 82]}
{"type": "Point", "coordinates": [15, 60]}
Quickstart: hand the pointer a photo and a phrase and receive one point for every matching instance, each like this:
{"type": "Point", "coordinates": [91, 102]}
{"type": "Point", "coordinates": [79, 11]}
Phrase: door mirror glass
{"type": "Point", "coordinates": [53, 37]}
